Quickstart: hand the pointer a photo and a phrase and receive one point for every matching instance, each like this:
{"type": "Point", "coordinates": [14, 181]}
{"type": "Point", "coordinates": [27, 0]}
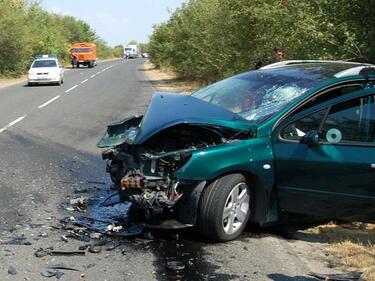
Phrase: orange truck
{"type": "Point", "coordinates": [83, 54]}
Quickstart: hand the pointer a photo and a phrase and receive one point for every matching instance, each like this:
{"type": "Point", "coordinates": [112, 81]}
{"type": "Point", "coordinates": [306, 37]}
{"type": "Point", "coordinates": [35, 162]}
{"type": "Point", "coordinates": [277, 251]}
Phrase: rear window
{"type": "Point", "coordinates": [44, 63]}
{"type": "Point", "coordinates": [81, 50]}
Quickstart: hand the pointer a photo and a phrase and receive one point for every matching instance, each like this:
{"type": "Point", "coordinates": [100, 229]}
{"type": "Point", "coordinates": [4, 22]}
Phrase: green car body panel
{"type": "Point", "coordinates": [294, 177]}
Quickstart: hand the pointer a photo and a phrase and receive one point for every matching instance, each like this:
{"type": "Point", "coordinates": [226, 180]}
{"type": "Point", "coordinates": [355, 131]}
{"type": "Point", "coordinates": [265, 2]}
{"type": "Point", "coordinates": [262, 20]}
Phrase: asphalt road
{"type": "Point", "coordinates": [47, 138]}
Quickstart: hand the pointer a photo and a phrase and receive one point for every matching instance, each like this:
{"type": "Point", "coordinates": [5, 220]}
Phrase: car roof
{"type": "Point", "coordinates": [323, 69]}
{"type": "Point", "coordinates": [46, 59]}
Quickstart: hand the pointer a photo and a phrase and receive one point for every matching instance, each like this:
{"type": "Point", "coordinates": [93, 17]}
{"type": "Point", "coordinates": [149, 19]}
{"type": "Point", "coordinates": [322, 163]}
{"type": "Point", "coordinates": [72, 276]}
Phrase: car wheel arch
{"type": "Point", "coordinates": [260, 197]}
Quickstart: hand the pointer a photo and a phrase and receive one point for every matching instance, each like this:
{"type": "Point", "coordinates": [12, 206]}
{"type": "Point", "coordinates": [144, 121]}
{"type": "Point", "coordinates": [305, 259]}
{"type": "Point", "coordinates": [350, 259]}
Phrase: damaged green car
{"type": "Point", "coordinates": [296, 137]}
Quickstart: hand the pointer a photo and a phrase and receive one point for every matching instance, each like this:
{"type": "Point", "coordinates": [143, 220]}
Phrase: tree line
{"type": "Point", "coordinates": [26, 29]}
{"type": "Point", "coordinates": [211, 39]}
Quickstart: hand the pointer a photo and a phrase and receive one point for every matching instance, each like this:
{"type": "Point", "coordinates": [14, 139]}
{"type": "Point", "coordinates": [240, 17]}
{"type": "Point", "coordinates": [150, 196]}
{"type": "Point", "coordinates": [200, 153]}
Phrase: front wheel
{"type": "Point", "coordinates": [224, 208]}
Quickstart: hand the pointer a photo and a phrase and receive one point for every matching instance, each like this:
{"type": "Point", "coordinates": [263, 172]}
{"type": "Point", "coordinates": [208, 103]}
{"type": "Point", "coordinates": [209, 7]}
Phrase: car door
{"type": "Point", "coordinates": [325, 159]}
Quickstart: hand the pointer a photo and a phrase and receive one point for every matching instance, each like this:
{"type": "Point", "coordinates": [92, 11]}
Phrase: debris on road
{"type": "Point", "coordinates": [350, 276]}
{"type": "Point", "coordinates": [49, 251]}
{"type": "Point", "coordinates": [95, 249]}
{"type": "Point", "coordinates": [48, 273]}
{"type": "Point", "coordinates": [67, 253]}
{"type": "Point", "coordinates": [63, 266]}
{"type": "Point", "coordinates": [175, 266]}
{"type": "Point", "coordinates": [12, 270]}
{"type": "Point", "coordinates": [59, 274]}
{"type": "Point", "coordinates": [80, 202]}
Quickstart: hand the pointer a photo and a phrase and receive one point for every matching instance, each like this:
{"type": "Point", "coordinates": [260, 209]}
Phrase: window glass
{"type": "Point", "coordinates": [334, 93]}
{"type": "Point", "coordinates": [81, 50]}
{"type": "Point", "coordinates": [44, 63]}
{"type": "Point", "coordinates": [296, 130]}
{"type": "Point", "coordinates": [349, 122]}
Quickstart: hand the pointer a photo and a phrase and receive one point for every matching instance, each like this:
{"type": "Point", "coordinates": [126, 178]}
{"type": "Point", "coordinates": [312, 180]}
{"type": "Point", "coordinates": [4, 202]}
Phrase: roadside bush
{"type": "Point", "coordinates": [26, 30]}
{"type": "Point", "coordinates": [211, 39]}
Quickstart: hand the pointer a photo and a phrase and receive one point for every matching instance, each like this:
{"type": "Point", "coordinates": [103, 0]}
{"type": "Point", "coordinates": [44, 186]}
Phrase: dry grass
{"type": "Point", "coordinates": [166, 81]}
{"type": "Point", "coordinates": [10, 81]}
{"type": "Point", "coordinates": [351, 244]}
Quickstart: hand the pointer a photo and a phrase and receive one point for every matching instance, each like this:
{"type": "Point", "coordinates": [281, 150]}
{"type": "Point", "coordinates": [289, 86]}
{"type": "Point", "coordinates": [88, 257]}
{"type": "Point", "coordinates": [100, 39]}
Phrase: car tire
{"type": "Point", "coordinates": [29, 84]}
{"type": "Point", "coordinates": [224, 208]}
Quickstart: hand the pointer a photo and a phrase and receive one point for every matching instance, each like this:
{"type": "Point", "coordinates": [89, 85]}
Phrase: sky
{"type": "Point", "coordinates": [117, 21]}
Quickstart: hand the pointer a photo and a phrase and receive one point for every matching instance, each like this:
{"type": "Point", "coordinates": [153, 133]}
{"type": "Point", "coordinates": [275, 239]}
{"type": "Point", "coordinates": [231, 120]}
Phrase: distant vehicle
{"type": "Point", "coordinates": [83, 54]}
{"type": "Point", "coordinates": [45, 69]}
{"type": "Point", "coordinates": [131, 52]}
{"type": "Point", "coordinates": [145, 55]}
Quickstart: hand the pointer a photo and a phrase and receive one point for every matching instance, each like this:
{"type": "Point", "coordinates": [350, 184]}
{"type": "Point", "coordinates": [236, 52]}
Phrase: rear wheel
{"type": "Point", "coordinates": [224, 208]}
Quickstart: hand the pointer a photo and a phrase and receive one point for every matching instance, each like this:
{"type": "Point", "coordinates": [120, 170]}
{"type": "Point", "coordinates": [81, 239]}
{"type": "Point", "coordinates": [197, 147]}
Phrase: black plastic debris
{"type": "Point", "coordinates": [12, 270]}
{"type": "Point", "coordinates": [175, 266]}
{"type": "Point", "coordinates": [41, 253]}
{"type": "Point", "coordinates": [59, 275]}
{"type": "Point", "coordinates": [349, 276]}
{"type": "Point", "coordinates": [48, 273]}
{"type": "Point", "coordinates": [67, 253]}
{"type": "Point", "coordinates": [49, 251]}
{"type": "Point", "coordinates": [63, 266]}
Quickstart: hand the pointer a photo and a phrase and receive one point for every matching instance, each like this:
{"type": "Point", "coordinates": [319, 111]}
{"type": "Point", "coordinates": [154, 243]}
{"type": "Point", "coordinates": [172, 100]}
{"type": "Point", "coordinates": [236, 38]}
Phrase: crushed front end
{"type": "Point", "coordinates": [144, 152]}
{"type": "Point", "coordinates": [144, 174]}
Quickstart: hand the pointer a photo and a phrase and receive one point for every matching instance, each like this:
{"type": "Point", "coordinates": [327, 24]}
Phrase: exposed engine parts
{"type": "Point", "coordinates": [132, 179]}
{"type": "Point", "coordinates": [143, 173]}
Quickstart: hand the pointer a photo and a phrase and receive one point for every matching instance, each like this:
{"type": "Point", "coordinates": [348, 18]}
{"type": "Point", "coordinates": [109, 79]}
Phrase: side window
{"type": "Point", "coordinates": [346, 122]}
{"type": "Point", "coordinates": [350, 121]}
{"type": "Point", "coordinates": [371, 131]}
{"type": "Point", "coordinates": [331, 94]}
{"type": "Point", "coordinates": [297, 129]}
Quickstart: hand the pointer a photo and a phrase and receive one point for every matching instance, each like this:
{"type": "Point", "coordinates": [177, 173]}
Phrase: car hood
{"type": "Point", "coordinates": [169, 109]}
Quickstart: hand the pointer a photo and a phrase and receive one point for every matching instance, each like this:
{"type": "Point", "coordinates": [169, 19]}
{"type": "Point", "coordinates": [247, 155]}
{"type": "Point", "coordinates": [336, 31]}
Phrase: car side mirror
{"type": "Point", "coordinates": [311, 138]}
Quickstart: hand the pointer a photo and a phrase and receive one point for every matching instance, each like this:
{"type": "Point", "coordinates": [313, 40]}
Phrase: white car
{"type": "Point", "coordinates": [45, 70]}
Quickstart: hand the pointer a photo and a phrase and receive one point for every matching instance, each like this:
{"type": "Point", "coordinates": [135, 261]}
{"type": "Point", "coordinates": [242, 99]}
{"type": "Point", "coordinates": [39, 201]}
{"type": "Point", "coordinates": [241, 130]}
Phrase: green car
{"type": "Point", "coordinates": [295, 137]}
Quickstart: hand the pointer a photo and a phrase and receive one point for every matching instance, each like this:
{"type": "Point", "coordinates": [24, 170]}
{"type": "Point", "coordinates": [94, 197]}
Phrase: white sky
{"type": "Point", "coordinates": [116, 21]}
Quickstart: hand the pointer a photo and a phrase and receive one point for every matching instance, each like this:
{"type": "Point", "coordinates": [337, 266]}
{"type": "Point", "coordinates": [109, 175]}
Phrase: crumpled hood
{"type": "Point", "coordinates": [169, 109]}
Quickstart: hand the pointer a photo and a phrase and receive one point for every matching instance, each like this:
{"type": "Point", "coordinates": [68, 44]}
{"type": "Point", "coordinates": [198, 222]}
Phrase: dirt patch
{"type": "Point", "coordinates": [10, 81]}
{"type": "Point", "coordinates": [351, 245]}
{"type": "Point", "coordinates": [167, 81]}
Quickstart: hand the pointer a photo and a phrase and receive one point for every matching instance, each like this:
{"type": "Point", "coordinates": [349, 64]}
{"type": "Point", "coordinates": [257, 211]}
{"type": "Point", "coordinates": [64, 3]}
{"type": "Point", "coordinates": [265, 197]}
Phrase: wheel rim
{"type": "Point", "coordinates": [236, 208]}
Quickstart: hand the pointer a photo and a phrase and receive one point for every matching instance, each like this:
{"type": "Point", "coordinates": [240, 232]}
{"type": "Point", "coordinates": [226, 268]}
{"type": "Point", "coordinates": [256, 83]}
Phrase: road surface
{"type": "Point", "coordinates": [47, 138]}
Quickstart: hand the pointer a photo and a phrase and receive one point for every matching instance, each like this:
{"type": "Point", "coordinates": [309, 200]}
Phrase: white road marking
{"type": "Point", "coordinates": [98, 72]}
{"type": "Point", "coordinates": [71, 89]}
{"type": "Point", "coordinates": [92, 76]}
{"type": "Point", "coordinates": [48, 102]}
{"type": "Point", "coordinates": [84, 81]}
{"type": "Point", "coordinates": [12, 123]}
